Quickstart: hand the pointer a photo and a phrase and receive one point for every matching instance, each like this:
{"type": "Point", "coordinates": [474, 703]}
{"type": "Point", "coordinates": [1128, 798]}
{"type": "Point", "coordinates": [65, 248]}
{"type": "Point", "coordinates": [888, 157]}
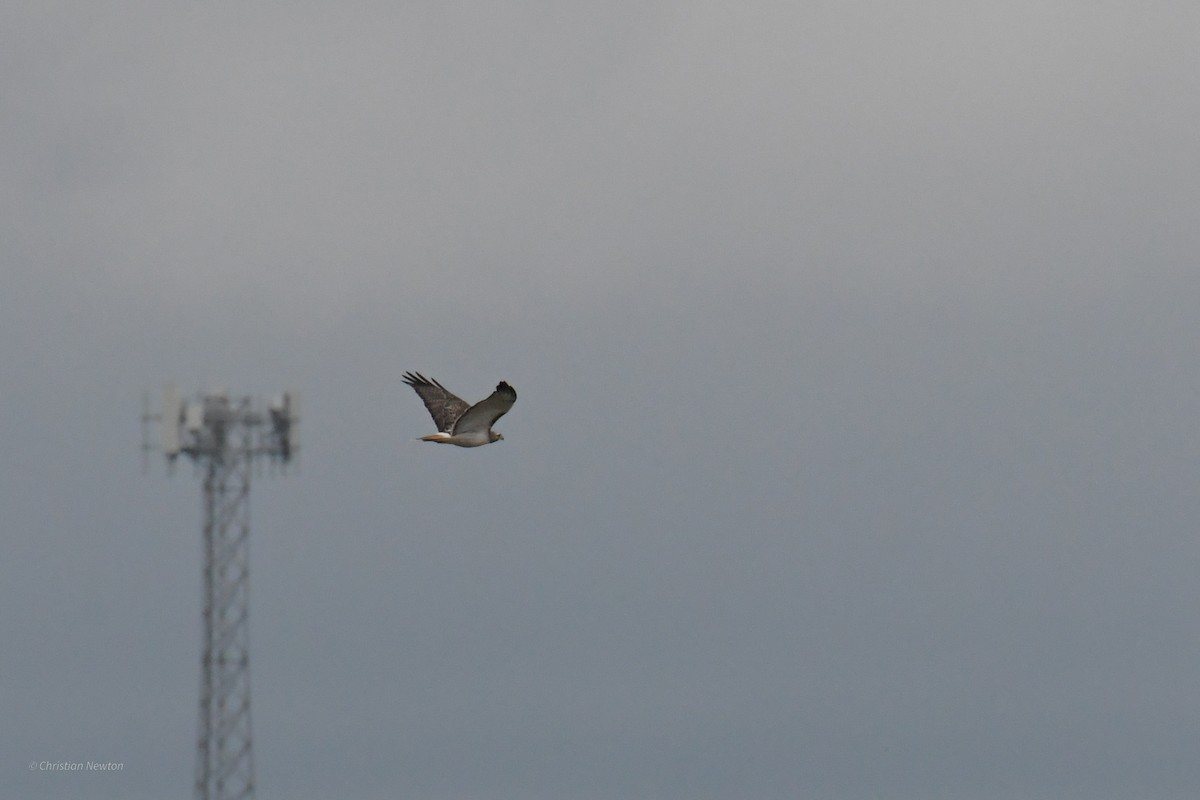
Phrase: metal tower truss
{"type": "Point", "coordinates": [223, 439]}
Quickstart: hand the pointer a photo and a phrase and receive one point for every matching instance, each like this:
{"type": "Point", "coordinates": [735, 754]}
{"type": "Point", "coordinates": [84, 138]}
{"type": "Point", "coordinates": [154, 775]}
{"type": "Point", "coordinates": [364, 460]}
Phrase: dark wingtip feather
{"type": "Point", "coordinates": [503, 386]}
{"type": "Point", "coordinates": [415, 379]}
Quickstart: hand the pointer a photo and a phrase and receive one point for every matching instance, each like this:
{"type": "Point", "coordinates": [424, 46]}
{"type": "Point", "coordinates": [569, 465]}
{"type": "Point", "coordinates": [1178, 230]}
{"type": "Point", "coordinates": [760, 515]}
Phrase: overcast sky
{"type": "Point", "coordinates": [856, 348]}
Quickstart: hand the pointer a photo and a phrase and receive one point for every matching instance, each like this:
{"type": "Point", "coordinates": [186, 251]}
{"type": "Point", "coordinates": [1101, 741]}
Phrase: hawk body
{"type": "Point", "coordinates": [458, 421]}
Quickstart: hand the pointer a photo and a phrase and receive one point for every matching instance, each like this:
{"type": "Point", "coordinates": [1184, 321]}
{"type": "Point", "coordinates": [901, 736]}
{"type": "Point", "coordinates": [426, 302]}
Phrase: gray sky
{"type": "Point", "coordinates": [855, 454]}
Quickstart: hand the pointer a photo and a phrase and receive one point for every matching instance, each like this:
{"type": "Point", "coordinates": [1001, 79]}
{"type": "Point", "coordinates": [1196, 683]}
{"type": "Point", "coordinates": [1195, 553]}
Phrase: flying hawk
{"type": "Point", "coordinates": [459, 422]}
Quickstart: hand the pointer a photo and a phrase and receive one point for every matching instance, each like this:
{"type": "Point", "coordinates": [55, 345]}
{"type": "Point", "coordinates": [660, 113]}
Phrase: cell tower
{"type": "Point", "coordinates": [223, 437]}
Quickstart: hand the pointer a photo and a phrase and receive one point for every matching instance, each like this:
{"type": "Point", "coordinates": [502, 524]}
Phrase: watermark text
{"type": "Point", "coordinates": [76, 766]}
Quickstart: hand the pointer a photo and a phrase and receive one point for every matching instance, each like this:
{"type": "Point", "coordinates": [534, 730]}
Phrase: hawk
{"type": "Point", "coordinates": [459, 422]}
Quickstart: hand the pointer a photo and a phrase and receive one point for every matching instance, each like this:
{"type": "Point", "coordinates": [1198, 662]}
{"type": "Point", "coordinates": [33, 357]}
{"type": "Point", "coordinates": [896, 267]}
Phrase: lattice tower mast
{"type": "Point", "coordinates": [223, 438]}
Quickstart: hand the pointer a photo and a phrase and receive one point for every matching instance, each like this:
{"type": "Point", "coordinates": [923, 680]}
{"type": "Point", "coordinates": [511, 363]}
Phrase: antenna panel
{"type": "Point", "coordinates": [172, 412]}
{"type": "Point", "coordinates": [193, 417]}
{"type": "Point", "coordinates": [292, 398]}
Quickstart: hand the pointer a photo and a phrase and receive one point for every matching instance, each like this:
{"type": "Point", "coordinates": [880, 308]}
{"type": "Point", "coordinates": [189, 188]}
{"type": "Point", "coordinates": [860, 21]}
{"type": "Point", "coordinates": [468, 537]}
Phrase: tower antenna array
{"type": "Point", "coordinates": [223, 437]}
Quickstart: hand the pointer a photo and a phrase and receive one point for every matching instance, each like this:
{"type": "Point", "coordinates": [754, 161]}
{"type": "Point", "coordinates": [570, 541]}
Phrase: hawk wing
{"type": "Point", "coordinates": [482, 415]}
{"type": "Point", "coordinates": [443, 406]}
